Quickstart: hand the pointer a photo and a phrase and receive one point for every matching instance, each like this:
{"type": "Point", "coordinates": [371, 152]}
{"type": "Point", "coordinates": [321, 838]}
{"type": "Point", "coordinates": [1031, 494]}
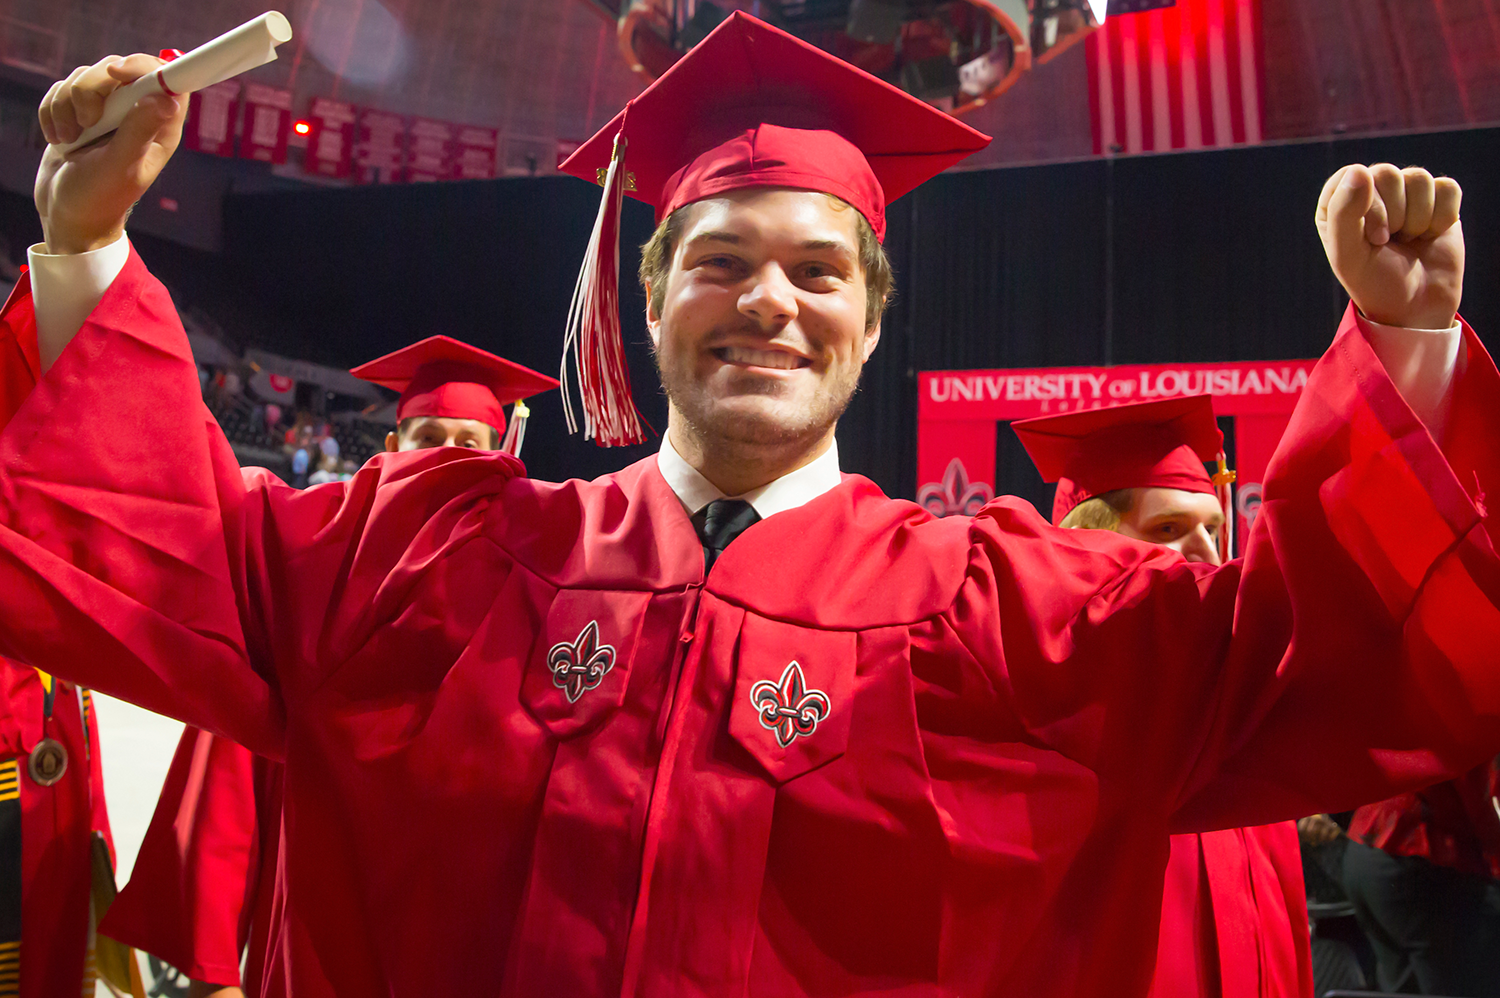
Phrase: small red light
{"type": "Point", "coordinates": [302, 127]}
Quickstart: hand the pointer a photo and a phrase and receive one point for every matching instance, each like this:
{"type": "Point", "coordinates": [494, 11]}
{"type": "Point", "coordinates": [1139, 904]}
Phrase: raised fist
{"type": "Point", "coordinates": [83, 197]}
{"type": "Point", "coordinates": [1395, 243]}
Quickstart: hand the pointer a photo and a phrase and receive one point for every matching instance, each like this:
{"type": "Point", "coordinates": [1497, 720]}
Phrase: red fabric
{"type": "Point", "coordinates": [20, 365]}
{"type": "Point", "coordinates": [1452, 824]}
{"type": "Point", "coordinates": [201, 889]}
{"type": "Point", "coordinates": [454, 400]}
{"type": "Point", "coordinates": [1177, 468]}
{"type": "Point", "coordinates": [1234, 917]}
{"type": "Point", "coordinates": [766, 155]}
{"type": "Point", "coordinates": [781, 113]}
{"type": "Point", "coordinates": [58, 823]}
{"type": "Point", "coordinates": [1016, 716]}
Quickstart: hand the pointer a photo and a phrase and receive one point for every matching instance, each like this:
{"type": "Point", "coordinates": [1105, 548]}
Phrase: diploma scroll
{"type": "Point", "coordinates": [251, 44]}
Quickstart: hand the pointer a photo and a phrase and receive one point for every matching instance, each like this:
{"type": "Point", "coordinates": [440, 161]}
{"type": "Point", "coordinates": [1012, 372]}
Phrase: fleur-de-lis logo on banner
{"type": "Point", "coordinates": [955, 495]}
{"type": "Point", "coordinates": [788, 707]}
{"type": "Point", "coordinates": [580, 665]}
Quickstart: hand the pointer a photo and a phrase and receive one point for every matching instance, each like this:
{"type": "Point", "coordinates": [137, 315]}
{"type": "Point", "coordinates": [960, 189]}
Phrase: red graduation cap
{"type": "Point", "coordinates": [440, 376]}
{"type": "Point", "coordinates": [1161, 444]}
{"type": "Point", "coordinates": [750, 106]}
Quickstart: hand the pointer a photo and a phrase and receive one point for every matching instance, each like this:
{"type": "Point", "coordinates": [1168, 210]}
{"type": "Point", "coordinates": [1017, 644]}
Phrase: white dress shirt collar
{"type": "Point", "coordinates": [787, 492]}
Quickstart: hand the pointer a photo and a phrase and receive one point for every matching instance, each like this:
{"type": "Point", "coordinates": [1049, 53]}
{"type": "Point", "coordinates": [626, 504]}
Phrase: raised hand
{"type": "Point", "coordinates": [84, 197]}
{"type": "Point", "coordinates": [1395, 242]}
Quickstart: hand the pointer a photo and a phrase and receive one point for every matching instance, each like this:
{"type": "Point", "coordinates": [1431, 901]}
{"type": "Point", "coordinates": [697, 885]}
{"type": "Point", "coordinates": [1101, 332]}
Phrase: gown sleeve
{"type": "Point", "coordinates": [190, 890]}
{"type": "Point", "coordinates": [138, 559]}
{"type": "Point", "coordinates": [1347, 656]}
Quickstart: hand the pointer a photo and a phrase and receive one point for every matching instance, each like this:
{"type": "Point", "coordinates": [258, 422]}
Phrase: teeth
{"type": "Point", "coordinates": [762, 358]}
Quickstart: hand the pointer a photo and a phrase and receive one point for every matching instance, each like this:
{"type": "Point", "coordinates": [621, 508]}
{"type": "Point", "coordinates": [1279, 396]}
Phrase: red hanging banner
{"type": "Point", "coordinates": [267, 122]}
{"type": "Point", "coordinates": [330, 144]}
{"type": "Point", "coordinates": [474, 155]}
{"type": "Point", "coordinates": [958, 413]}
{"type": "Point", "coordinates": [210, 121]}
{"type": "Point", "coordinates": [430, 150]}
{"type": "Point", "coordinates": [380, 147]}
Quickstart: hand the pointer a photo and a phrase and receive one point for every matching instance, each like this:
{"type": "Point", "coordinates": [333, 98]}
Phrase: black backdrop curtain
{"type": "Point", "coordinates": [1191, 257]}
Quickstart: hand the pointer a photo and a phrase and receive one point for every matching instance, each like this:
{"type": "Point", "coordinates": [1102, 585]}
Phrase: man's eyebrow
{"type": "Point", "coordinates": [1173, 514]}
{"type": "Point", "coordinates": [717, 236]}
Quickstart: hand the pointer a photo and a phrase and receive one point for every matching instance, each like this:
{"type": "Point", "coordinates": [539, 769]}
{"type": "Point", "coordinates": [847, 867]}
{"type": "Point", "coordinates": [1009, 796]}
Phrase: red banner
{"type": "Point", "coordinates": [1185, 77]}
{"type": "Point", "coordinates": [210, 121]}
{"type": "Point", "coordinates": [958, 413]}
{"type": "Point", "coordinates": [474, 158]}
{"type": "Point", "coordinates": [380, 148]}
{"type": "Point", "coordinates": [330, 144]}
{"type": "Point", "coordinates": [430, 150]}
{"type": "Point", "coordinates": [268, 121]}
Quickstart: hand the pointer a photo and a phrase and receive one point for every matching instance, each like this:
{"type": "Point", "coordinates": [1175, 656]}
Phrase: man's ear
{"type": "Point", "coordinates": [392, 442]}
{"type": "Point", "coordinates": [872, 338]}
{"type": "Point", "coordinates": [653, 320]}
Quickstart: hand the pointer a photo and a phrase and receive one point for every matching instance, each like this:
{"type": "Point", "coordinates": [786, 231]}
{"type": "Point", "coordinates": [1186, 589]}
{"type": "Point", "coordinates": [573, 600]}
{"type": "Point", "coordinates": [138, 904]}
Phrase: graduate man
{"type": "Point", "coordinates": [1234, 909]}
{"type": "Point", "coordinates": [207, 884]}
{"type": "Point", "coordinates": [730, 721]}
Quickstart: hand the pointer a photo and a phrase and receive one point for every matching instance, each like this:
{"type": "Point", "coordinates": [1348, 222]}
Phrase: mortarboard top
{"type": "Point", "coordinates": [1161, 444]}
{"type": "Point", "coordinates": [752, 106]}
{"type": "Point", "coordinates": [749, 106]}
{"type": "Point", "coordinates": [440, 376]}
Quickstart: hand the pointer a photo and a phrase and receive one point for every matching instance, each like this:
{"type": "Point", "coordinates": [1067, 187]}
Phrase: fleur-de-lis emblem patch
{"type": "Point", "coordinates": [788, 707]}
{"type": "Point", "coordinates": [580, 665]}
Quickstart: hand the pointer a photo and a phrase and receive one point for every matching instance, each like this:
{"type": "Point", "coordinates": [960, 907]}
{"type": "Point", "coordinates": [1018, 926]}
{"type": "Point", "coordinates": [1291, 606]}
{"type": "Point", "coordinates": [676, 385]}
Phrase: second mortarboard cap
{"type": "Point", "coordinates": [1162, 444]}
{"type": "Point", "coordinates": [749, 106]}
{"type": "Point", "coordinates": [443, 377]}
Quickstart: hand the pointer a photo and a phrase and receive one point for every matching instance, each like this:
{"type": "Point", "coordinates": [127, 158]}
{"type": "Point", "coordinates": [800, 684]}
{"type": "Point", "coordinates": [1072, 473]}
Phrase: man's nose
{"type": "Point", "coordinates": [772, 299]}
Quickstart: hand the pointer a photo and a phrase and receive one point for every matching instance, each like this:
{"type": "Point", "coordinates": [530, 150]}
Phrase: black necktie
{"type": "Point", "coordinates": [720, 522]}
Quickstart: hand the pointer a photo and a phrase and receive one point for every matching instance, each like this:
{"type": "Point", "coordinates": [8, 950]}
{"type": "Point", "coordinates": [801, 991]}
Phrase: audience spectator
{"type": "Point", "coordinates": [328, 470]}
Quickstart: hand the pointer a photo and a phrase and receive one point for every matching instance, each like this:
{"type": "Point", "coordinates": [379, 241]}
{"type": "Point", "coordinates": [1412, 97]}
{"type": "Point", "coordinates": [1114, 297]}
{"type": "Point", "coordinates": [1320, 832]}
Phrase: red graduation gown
{"type": "Point", "coordinates": [58, 826]}
{"type": "Point", "coordinates": [204, 886]}
{"type": "Point", "coordinates": [58, 823]}
{"type": "Point", "coordinates": [1234, 917]}
{"type": "Point", "coordinates": [532, 750]}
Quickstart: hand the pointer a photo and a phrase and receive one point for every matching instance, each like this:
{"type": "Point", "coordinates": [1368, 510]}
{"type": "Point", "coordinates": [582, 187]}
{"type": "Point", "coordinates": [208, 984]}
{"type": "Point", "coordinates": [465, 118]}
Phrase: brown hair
{"type": "Point", "coordinates": [1102, 512]}
{"type": "Point", "coordinates": [656, 261]}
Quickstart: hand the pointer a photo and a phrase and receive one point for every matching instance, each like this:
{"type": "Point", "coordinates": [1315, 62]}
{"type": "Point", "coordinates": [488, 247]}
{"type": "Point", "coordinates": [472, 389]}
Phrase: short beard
{"type": "Point", "coordinates": [734, 431]}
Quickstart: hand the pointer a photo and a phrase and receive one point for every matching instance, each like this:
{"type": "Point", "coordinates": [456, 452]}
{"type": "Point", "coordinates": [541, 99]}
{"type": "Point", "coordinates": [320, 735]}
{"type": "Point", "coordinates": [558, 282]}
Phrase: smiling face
{"type": "Point", "coordinates": [761, 333]}
{"type": "Point", "coordinates": [1188, 522]}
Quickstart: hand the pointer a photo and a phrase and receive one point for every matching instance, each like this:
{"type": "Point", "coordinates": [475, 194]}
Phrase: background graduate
{"type": "Point", "coordinates": [1234, 908]}
{"type": "Point", "coordinates": [207, 892]}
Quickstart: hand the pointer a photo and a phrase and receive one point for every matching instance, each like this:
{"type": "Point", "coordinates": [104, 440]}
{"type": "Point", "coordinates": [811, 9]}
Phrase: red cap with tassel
{"type": "Point", "coordinates": [443, 377]}
{"type": "Point", "coordinates": [1161, 444]}
{"type": "Point", "coordinates": [750, 106]}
